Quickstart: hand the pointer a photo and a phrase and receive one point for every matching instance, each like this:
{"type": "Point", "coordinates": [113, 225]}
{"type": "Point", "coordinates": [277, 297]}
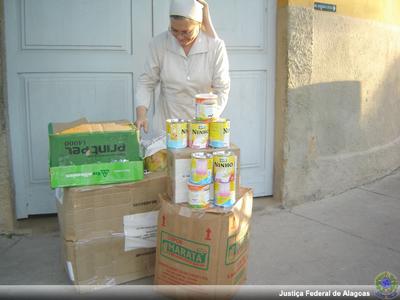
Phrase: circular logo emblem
{"type": "Point", "coordinates": [386, 284]}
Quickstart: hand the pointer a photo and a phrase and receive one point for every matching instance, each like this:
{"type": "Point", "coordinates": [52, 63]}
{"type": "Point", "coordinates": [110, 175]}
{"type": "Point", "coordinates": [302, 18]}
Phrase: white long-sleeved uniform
{"type": "Point", "coordinates": [181, 76]}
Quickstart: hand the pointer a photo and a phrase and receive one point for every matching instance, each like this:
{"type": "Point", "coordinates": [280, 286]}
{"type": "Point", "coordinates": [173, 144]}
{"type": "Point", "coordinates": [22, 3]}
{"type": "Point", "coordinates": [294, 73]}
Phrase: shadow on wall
{"type": "Point", "coordinates": [335, 117]}
{"type": "Point", "coordinates": [354, 121]}
{"type": "Point", "coordinates": [381, 110]}
{"type": "Point", "coordinates": [341, 136]}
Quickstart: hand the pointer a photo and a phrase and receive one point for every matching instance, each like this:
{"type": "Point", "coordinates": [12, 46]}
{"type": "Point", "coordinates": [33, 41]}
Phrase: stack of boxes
{"type": "Point", "coordinates": [119, 225]}
{"type": "Point", "coordinates": [207, 246]}
{"type": "Point", "coordinates": [107, 208]}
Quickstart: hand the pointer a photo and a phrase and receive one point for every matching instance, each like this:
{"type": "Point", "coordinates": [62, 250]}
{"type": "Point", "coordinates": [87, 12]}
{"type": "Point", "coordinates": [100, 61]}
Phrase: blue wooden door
{"type": "Point", "coordinates": [67, 59]}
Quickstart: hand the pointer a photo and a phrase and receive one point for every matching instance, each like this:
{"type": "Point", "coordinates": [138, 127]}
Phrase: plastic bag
{"type": "Point", "coordinates": [155, 153]}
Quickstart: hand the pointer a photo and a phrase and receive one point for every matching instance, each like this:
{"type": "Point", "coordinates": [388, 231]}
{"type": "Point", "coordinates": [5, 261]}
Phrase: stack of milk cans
{"type": "Point", "coordinates": [212, 179]}
{"type": "Point", "coordinates": [204, 219]}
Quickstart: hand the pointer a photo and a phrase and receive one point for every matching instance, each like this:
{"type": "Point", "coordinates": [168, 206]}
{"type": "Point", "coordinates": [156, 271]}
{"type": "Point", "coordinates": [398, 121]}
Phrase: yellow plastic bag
{"type": "Point", "coordinates": [156, 162]}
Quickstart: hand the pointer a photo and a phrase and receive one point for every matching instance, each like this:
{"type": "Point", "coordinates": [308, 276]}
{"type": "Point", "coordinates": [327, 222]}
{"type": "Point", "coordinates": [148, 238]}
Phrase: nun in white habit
{"type": "Point", "coordinates": [185, 60]}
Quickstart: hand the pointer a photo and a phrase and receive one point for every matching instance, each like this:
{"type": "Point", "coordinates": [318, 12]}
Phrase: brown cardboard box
{"type": "Point", "coordinates": [108, 232]}
{"type": "Point", "coordinates": [179, 170]}
{"type": "Point", "coordinates": [103, 261]}
{"type": "Point", "coordinates": [203, 247]}
{"type": "Point", "coordinates": [98, 211]}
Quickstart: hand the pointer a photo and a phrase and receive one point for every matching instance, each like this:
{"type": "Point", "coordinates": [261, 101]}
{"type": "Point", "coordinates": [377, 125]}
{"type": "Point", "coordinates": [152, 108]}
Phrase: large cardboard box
{"type": "Point", "coordinates": [98, 211]}
{"type": "Point", "coordinates": [103, 261]}
{"type": "Point", "coordinates": [83, 153]}
{"type": "Point", "coordinates": [179, 170]}
{"type": "Point", "coordinates": [109, 231]}
{"type": "Point", "coordinates": [203, 247]}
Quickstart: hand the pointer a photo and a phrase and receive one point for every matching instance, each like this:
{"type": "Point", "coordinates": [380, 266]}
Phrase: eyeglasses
{"type": "Point", "coordinates": [186, 34]}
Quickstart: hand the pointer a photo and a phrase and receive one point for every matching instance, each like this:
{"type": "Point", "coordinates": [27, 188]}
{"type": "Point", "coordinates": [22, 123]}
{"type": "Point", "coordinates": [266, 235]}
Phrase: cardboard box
{"type": "Point", "coordinates": [104, 261]}
{"type": "Point", "coordinates": [81, 142]}
{"type": "Point", "coordinates": [98, 211]}
{"type": "Point", "coordinates": [109, 232]}
{"type": "Point", "coordinates": [83, 153]}
{"type": "Point", "coordinates": [203, 247]}
{"type": "Point", "coordinates": [179, 170]}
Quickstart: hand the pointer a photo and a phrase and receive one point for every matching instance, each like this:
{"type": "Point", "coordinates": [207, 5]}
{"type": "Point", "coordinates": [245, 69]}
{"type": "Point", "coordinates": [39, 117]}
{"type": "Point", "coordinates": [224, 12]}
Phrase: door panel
{"type": "Point", "coordinates": [248, 29]}
{"type": "Point", "coordinates": [67, 59]}
{"type": "Point", "coordinates": [54, 24]}
{"type": "Point", "coordinates": [241, 24]}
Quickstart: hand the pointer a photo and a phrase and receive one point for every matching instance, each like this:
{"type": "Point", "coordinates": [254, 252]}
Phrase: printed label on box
{"type": "Point", "coordinates": [235, 247]}
{"type": "Point", "coordinates": [183, 251]}
{"type": "Point", "coordinates": [140, 230]}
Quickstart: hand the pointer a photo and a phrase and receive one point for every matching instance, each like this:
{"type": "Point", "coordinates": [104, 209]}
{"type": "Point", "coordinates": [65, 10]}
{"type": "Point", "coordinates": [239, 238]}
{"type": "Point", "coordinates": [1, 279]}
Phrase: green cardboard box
{"type": "Point", "coordinates": [83, 153]}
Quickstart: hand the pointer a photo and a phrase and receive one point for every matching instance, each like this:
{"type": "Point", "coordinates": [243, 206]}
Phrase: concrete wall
{"type": "Point", "coordinates": [6, 196]}
{"type": "Point", "coordinates": [338, 98]}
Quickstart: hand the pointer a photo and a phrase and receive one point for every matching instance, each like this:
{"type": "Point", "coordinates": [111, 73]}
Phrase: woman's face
{"type": "Point", "coordinates": [184, 30]}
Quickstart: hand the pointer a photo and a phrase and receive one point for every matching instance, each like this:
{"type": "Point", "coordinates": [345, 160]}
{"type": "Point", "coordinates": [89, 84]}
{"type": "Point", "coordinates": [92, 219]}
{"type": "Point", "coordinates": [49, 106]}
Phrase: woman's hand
{"type": "Point", "coordinates": [142, 124]}
{"type": "Point", "coordinates": [141, 118]}
{"type": "Point", "coordinates": [207, 25]}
